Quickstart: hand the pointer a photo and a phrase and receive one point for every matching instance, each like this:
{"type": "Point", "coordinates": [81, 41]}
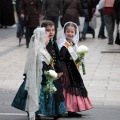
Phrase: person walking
{"type": "Point", "coordinates": [52, 10]}
{"type": "Point", "coordinates": [117, 9]}
{"type": "Point", "coordinates": [30, 13]}
{"type": "Point", "coordinates": [19, 24]}
{"type": "Point", "coordinates": [101, 33]}
{"type": "Point", "coordinates": [109, 17]}
{"type": "Point", "coordinates": [71, 10]}
{"type": "Point", "coordinates": [86, 11]}
{"type": "Point", "coordinates": [6, 13]}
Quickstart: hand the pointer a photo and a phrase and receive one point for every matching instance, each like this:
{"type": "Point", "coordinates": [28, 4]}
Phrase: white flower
{"type": "Point", "coordinates": [52, 73]}
{"type": "Point", "coordinates": [82, 49]}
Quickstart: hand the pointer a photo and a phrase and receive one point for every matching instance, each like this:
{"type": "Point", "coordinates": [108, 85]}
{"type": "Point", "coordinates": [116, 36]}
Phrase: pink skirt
{"type": "Point", "coordinates": [76, 103]}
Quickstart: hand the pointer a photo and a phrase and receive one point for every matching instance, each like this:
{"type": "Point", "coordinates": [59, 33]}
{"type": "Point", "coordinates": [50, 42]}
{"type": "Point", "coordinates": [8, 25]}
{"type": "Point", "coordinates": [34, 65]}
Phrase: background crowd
{"type": "Point", "coordinates": [29, 13]}
{"type": "Point", "coordinates": [46, 54]}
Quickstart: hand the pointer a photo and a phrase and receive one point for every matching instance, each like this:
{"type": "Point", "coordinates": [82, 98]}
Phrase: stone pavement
{"type": "Point", "coordinates": [102, 67]}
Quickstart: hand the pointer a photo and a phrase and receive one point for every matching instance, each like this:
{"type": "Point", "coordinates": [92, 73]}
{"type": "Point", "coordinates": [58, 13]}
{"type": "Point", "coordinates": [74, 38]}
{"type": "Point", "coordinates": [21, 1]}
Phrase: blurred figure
{"type": "Point", "coordinates": [102, 27]}
{"type": "Point", "coordinates": [52, 9]}
{"type": "Point", "coordinates": [86, 11]}
{"type": "Point", "coordinates": [61, 19]}
{"type": "Point", "coordinates": [30, 12]}
{"type": "Point", "coordinates": [71, 11]}
{"type": "Point", "coordinates": [117, 9]}
{"type": "Point", "coordinates": [6, 13]}
{"type": "Point", "coordinates": [19, 24]}
{"type": "Point", "coordinates": [109, 17]}
{"type": "Point", "coordinates": [101, 33]}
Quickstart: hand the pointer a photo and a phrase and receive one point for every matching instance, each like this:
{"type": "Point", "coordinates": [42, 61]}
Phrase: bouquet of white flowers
{"type": "Point", "coordinates": [50, 75]}
{"type": "Point", "coordinates": [81, 51]}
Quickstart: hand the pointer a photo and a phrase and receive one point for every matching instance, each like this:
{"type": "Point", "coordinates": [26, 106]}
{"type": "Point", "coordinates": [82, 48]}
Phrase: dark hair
{"type": "Point", "coordinates": [47, 23]}
{"type": "Point", "coordinates": [70, 24]}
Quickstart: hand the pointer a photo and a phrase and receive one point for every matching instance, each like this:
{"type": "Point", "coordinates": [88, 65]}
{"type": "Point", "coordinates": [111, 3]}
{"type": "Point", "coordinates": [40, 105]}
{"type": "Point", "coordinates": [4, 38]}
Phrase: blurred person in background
{"type": "Point", "coordinates": [117, 9]}
{"type": "Point", "coordinates": [19, 24]}
{"type": "Point", "coordinates": [71, 11]}
{"type": "Point", "coordinates": [6, 13]}
{"type": "Point", "coordinates": [101, 33]}
{"type": "Point", "coordinates": [30, 12]}
{"type": "Point", "coordinates": [52, 10]}
{"type": "Point", "coordinates": [86, 11]}
{"type": "Point", "coordinates": [109, 17]}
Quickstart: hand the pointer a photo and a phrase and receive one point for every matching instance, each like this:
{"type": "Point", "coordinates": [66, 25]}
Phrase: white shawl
{"type": "Point", "coordinates": [33, 70]}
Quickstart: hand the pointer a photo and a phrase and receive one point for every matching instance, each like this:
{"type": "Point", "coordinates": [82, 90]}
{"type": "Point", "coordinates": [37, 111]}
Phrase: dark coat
{"type": "Point", "coordinates": [86, 11]}
{"type": "Point", "coordinates": [52, 7]}
{"type": "Point", "coordinates": [18, 6]}
{"type": "Point", "coordinates": [117, 9]}
{"type": "Point", "coordinates": [71, 10]}
{"type": "Point", "coordinates": [54, 52]}
{"type": "Point", "coordinates": [6, 13]}
{"type": "Point", "coordinates": [33, 9]}
{"type": "Point", "coordinates": [73, 78]}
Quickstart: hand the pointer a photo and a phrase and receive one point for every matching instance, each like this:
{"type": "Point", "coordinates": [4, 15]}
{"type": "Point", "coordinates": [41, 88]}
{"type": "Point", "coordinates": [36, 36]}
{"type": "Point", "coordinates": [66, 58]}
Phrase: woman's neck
{"type": "Point", "coordinates": [70, 41]}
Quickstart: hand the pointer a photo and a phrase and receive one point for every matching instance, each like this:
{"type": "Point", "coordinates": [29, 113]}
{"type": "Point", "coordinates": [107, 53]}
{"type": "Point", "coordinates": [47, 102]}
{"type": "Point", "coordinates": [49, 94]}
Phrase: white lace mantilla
{"type": "Point", "coordinates": [33, 70]}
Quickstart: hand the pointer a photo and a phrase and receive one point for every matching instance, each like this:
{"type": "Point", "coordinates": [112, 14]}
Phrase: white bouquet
{"type": "Point", "coordinates": [50, 75]}
{"type": "Point", "coordinates": [81, 51]}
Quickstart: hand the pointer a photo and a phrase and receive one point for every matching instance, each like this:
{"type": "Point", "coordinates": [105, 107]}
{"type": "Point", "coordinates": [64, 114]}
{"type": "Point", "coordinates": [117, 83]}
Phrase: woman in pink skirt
{"type": "Point", "coordinates": [75, 93]}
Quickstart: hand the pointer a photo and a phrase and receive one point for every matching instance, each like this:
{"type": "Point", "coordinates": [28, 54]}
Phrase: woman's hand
{"type": "Point", "coordinates": [60, 74]}
{"type": "Point", "coordinates": [22, 16]}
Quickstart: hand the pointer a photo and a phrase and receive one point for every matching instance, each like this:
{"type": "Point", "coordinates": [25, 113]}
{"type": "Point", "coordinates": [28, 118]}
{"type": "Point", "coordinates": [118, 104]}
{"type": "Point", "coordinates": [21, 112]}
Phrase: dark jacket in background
{"type": "Point", "coordinates": [6, 13]}
{"type": "Point", "coordinates": [71, 10]}
{"type": "Point", "coordinates": [86, 11]}
{"type": "Point", "coordinates": [52, 7]}
{"type": "Point", "coordinates": [33, 10]}
{"type": "Point", "coordinates": [117, 9]}
{"type": "Point", "coordinates": [18, 6]}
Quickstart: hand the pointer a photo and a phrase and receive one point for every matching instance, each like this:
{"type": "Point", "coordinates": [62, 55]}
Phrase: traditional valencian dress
{"type": "Point", "coordinates": [75, 93]}
{"type": "Point", "coordinates": [31, 96]}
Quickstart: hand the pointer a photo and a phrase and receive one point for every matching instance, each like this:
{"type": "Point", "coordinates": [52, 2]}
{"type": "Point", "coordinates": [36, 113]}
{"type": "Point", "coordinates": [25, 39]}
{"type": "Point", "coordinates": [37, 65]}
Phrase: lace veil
{"type": "Point", "coordinates": [62, 40]}
{"type": "Point", "coordinates": [33, 70]}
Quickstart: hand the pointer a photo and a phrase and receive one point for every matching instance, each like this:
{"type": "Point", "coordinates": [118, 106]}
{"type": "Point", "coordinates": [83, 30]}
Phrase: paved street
{"type": "Point", "coordinates": [102, 78]}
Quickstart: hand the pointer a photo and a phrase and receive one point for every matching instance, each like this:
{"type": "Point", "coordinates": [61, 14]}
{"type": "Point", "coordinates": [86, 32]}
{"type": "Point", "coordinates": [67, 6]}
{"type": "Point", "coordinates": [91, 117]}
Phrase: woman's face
{"type": "Point", "coordinates": [70, 33]}
{"type": "Point", "coordinates": [51, 30]}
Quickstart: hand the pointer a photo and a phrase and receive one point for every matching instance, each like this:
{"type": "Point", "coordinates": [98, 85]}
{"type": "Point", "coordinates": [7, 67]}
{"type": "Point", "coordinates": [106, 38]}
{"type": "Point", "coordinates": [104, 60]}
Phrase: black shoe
{"type": "Point", "coordinates": [27, 46]}
{"type": "Point", "coordinates": [1, 26]}
{"type": "Point", "coordinates": [102, 37]}
{"type": "Point", "coordinates": [110, 43]}
{"type": "Point", "coordinates": [6, 27]}
{"type": "Point", "coordinates": [83, 36]}
{"type": "Point", "coordinates": [37, 117]}
{"type": "Point", "coordinates": [74, 114]}
{"type": "Point", "coordinates": [57, 116]}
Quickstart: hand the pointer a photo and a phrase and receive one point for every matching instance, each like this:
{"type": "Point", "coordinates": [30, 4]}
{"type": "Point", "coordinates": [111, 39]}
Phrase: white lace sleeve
{"type": "Point", "coordinates": [39, 64]}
